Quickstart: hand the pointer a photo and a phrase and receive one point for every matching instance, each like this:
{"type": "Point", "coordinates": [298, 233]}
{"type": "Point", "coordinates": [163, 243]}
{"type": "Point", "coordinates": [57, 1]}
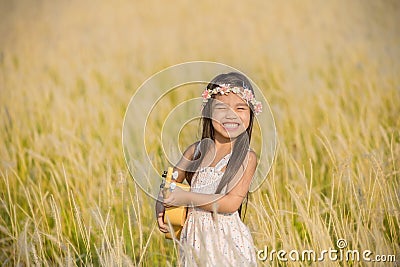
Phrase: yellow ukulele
{"type": "Point", "coordinates": [175, 215]}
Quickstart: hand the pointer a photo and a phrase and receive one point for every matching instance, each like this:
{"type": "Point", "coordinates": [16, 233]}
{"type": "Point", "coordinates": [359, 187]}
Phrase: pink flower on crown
{"type": "Point", "coordinates": [257, 108]}
{"type": "Point", "coordinates": [206, 95]}
{"type": "Point", "coordinates": [247, 95]}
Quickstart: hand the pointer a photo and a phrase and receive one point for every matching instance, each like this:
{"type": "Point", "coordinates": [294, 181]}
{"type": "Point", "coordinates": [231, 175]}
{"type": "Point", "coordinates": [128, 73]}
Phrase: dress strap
{"type": "Point", "coordinates": [222, 163]}
{"type": "Point", "coordinates": [196, 150]}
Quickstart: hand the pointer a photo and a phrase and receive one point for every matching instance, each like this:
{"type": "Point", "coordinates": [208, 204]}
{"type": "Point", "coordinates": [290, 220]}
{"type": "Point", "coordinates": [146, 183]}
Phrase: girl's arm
{"type": "Point", "coordinates": [223, 203]}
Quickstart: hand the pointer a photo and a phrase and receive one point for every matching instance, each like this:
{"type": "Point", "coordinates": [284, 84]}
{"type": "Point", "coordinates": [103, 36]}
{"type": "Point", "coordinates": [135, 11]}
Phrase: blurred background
{"type": "Point", "coordinates": [330, 70]}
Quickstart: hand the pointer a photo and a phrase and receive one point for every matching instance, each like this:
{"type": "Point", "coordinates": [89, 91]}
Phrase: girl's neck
{"type": "Point", "coordinates": [223, 144]}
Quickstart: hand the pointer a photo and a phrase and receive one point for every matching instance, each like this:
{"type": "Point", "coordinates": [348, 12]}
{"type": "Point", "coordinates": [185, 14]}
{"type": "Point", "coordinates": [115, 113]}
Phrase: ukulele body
{"type": "Point", "coordinates": [176, 216]}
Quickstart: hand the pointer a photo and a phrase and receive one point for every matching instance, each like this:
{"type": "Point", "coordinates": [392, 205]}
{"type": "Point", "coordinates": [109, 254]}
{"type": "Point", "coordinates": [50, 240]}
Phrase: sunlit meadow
{"type": "Point", "coordinates": [330, 70]}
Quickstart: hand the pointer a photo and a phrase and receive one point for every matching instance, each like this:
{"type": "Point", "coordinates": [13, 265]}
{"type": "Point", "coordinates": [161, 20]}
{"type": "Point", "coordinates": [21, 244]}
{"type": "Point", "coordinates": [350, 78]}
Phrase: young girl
{"type": "Point", "coordinates": [219, 169]}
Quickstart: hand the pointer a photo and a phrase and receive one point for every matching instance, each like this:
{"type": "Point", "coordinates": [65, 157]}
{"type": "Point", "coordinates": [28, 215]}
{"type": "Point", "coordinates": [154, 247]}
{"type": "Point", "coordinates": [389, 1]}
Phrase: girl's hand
{"type": "Point", "coordinates": [178, 197]}
{"type": "Point", "coordinates": [160, 210]}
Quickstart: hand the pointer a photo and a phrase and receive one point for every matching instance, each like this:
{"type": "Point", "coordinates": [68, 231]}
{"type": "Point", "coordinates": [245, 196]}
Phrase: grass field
{"type": "Point", "coordinates": [330, 70]}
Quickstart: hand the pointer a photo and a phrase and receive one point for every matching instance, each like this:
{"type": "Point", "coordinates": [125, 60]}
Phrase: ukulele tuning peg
{"type": "Point", "coordinates": [174, 175]}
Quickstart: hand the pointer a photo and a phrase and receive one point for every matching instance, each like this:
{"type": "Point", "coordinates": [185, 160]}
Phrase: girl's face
{"type": "Point", "coordinates": [230, 115]}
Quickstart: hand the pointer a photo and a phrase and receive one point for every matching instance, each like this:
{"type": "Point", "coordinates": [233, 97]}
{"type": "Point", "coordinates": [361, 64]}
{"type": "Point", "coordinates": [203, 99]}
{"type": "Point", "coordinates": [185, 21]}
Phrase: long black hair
{"type": "Point", "coordinates": [242, 142]}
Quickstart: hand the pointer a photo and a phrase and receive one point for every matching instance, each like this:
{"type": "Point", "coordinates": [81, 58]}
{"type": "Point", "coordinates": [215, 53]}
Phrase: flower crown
{"type": "Point", "coordinates": [245, 93]}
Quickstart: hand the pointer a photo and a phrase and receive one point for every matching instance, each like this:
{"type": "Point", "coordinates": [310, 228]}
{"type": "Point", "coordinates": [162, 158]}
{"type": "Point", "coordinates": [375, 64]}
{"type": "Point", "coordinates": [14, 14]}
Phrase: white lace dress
{"type": "Point", "coordinates": [209, 239]}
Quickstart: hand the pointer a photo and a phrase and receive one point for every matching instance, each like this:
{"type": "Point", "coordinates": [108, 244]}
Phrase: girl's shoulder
{"type": "Point", "coordinates": [192, 150]}
{"type": "Point", "coordinates": [251, 152]}
{"type": "Point", "coordinates": [251, 156]}
{"type": "Point", "coordinates": [250, 162]}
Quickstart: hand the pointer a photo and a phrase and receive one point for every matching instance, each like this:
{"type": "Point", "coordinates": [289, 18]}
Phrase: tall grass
{"type": "Point", "coordinates": [330, 71]}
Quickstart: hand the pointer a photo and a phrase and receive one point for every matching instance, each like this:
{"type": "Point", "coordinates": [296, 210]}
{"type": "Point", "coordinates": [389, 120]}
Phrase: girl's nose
{"type": "Point", "coordinates": [230, 114]}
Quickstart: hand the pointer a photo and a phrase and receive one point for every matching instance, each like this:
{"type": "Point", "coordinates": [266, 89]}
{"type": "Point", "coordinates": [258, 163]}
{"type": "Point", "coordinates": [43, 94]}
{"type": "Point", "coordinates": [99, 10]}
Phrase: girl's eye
{"type": "Point", "coordinates": [220, 107]}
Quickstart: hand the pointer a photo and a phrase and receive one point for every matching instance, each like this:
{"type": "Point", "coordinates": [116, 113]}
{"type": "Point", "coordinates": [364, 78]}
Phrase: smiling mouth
{"type": "Point", "coordinates": [231, 125]}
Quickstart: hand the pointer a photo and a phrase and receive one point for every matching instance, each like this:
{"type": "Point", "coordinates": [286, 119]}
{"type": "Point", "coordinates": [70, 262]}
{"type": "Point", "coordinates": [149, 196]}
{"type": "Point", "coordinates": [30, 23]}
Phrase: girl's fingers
{"type": "Point", "coordinates": [161, 225]}
{"type": "Point", "coordinates": [166, 203]}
